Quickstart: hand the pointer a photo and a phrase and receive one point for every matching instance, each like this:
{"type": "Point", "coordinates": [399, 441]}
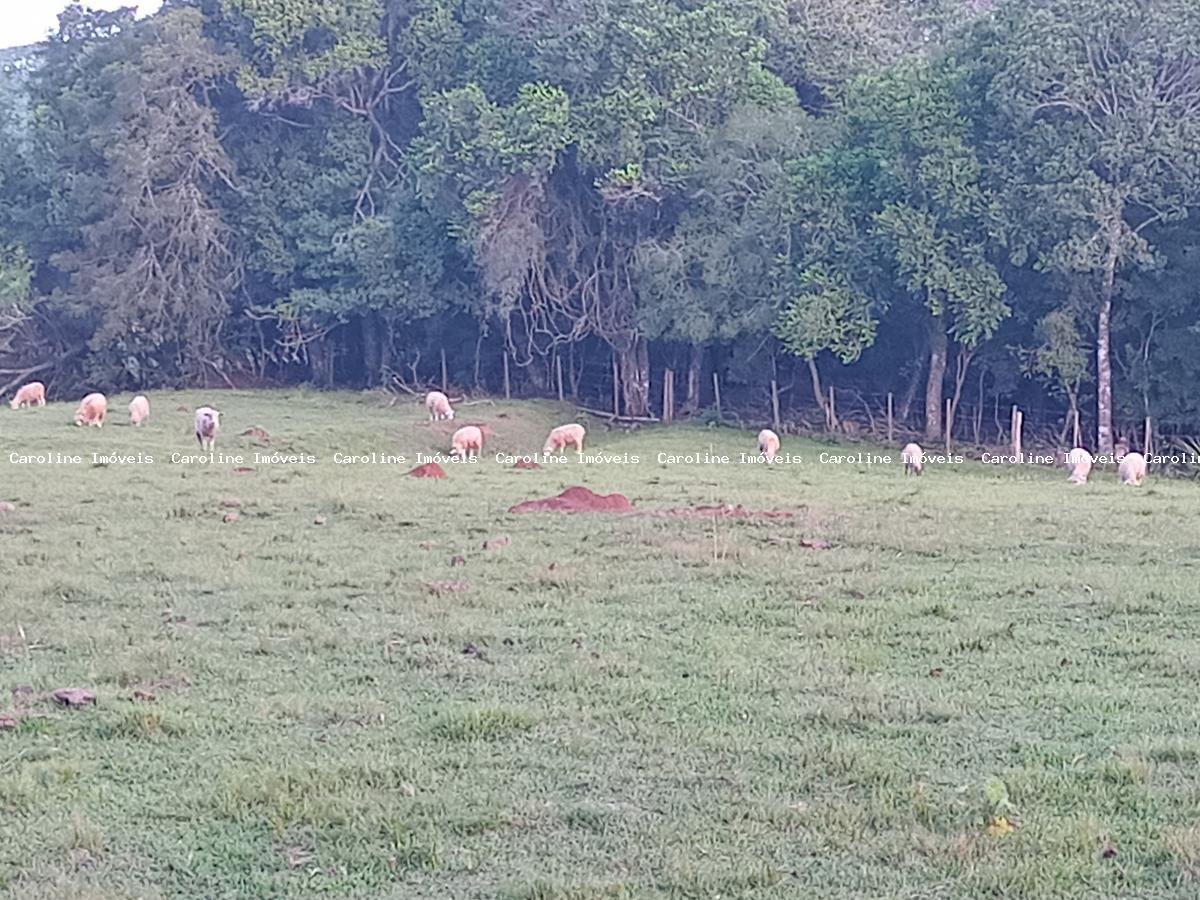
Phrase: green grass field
{"type": "Point", "coordinates": [609, 705]}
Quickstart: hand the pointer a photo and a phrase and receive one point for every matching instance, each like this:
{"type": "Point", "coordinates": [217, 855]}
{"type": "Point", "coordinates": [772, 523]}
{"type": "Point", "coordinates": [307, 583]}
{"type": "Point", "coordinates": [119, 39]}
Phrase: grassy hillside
{"type": "Point", "coordinates": [981, 689]}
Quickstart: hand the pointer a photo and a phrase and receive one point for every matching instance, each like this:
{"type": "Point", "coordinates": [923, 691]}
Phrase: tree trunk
{"type": "Point", "coordinates": [320, 361]}
{"type": "Point", "coordinates": [910, 391]}
{"type": "Point", "coordinates": [573, 371]}
{"type": "Point", "coordinates": [633, 361]}
{"type": "Point", "coordinates": [691, 405]}
{"type": "Point", "coordinates": [387, 345]}
{"type": "Point", "coordinates": [938, 347]}
{"type": "Point", "coordinates": [819, 393]}
{"type": "Point", "coordinates": [370, 344]}
{"type": "Point", "coordinates": [962, 364]}
{"type": "Point", "coordinates": [1104, 428]}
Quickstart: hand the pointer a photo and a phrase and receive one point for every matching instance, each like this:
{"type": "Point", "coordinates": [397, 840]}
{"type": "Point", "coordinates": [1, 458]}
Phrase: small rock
{"type": "Point", "coordinates": [935, 672]}
{"type": "Point", "coordinates": [8, 720]}
{"type": "Point", "coordinates": [22, 690]}
{"type": "Point", "coordinates": [319, 520]}
{"type": "Point", "coordinates": [426, 545]}
{"type": "Point", "coordinates": [816, 544]}
{"type": "Point", "coordinates": [182, 408]}
{"type": "Point", "coordinates": [230, 517]}
{"type": "Point", "coordinates": [73, 697]}
{"type": "Point", "coordinates": [241, 470]}
{"type": "Point", "coordinates": [257, 433]}
{"type": "Point", "coordinates": [230, 503]}
{"type": "Point", "coordinates": [496, 542]}
{"type": "Point", "coordinates": [1109, 852]}
{"type": "Point", "coordinates": [458, 560]}
{"type": "Point", "coordinates": [144, 696]}
{"type": "Point", "coordinates": [6, 507]}
{"type": "Point", "coordinates": [408, 790]}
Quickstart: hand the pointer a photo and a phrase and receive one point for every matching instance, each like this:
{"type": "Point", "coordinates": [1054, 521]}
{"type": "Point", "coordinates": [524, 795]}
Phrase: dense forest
{"type": "Point", "coordinates": [946, 200]}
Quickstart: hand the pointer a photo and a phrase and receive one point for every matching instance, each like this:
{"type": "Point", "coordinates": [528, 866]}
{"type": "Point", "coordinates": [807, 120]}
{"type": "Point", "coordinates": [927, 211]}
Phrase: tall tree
{"type": "Point", "coordinates": [915, 222]}
{"type": "Point", "coordinates": [154, 265]}
{"type": "Point", "coordinates": [1104, 101]}
{"type": "Point", "coordinates": [562, 179]}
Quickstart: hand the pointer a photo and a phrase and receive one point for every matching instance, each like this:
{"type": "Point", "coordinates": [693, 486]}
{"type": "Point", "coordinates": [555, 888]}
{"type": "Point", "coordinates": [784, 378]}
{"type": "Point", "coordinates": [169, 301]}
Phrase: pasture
{"type": "Point", "coordinates": [984, 687]}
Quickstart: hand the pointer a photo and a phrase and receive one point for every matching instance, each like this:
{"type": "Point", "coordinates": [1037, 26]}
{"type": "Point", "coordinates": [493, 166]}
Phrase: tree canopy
{"type": "Point", "coordinates": [977, 202]}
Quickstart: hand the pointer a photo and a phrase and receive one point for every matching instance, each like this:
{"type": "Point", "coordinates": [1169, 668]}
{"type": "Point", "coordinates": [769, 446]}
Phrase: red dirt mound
{"type": "Point", "coordinates": [723, 511]}
{"type": "Point", "coordinates": [428, 470]}
{"type": "Point", "coordinates": [577, 499]}
{"type": "Point", "coordinates": [526, 463]}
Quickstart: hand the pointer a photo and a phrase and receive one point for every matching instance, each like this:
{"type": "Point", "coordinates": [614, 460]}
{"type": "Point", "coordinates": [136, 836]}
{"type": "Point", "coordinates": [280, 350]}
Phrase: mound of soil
{"type": "Point", "coordinates": [428, 470]}
{"type": "Point", "coordinates": [526, 463]}
{"type": "Point", "coordinates": [723, 511]}
{"type": "Point", "coordinates": [577, 499]}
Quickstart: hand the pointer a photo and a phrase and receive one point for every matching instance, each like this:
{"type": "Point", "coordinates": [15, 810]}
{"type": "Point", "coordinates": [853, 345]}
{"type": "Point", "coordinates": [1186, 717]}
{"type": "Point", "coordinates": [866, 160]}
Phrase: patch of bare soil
{"type": "Point", "coordinates": [428, 470]}
{"type": "Point", "coordinates": [577, 499]}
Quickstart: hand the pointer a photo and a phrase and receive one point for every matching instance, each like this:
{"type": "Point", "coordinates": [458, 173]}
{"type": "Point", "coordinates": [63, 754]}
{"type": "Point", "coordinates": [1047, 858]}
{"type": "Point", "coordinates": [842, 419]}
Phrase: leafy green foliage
{"type": "Point", "coordinates": [333, 190]}
{"type": "Point", "coordinates": [307, 41]}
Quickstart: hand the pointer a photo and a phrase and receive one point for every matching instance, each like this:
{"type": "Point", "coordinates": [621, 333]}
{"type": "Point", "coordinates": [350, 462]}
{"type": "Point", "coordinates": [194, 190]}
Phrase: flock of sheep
{"type": "Point", "coordinates": [468, 440]}
{"type": "Point", "coordinates": [1131, 467]}
{"type": "Point", "coordinates": [93, 410]}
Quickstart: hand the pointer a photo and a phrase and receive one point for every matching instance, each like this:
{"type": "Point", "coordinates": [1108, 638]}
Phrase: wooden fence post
{"type": "Point", "coordinates": [832, 411]}
{"type": "Point", "coordinates": [717, 394]}
{"type": "Point", "coordinates": [949, 427]}
{"type": "Point", "coordinates": [558, 375]}
{"type": "Point", "coordinates": [616, 387]}
{"type": "Point", "coordinates": [891, 421]}
{"type": "Point", "coordinates": [775, 405]}
{"type": "Point", "coordinates": [445, 380]}
{"type": "Point", "coordinates": [507, 384]}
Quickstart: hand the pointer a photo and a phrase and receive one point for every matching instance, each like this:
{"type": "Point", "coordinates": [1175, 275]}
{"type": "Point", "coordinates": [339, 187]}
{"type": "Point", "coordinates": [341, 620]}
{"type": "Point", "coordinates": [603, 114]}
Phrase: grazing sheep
{"type": "Point", "coordinates": [208, 423]}
{"type": "Point", "coordinates": [32, 394]}
{"type": "Point", "coordinates": [139, 410]}
{"type": "Point", "coordinates": [468, 440]}
{"type": "Point", "coordinates": [563, 435]}
{"type": "Point", "coordinates": [914, 459]}
{"type": "Point", "coordinates": [92, 410]}
{"type": "Point", "coordinates": [768, 443]}
{"type": "Point", "coordinates": [1132, 469]}
{"type": "Point", "coordinates": [438, 405]}
{"type": "Point", "coordinates": [1079, 464]}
